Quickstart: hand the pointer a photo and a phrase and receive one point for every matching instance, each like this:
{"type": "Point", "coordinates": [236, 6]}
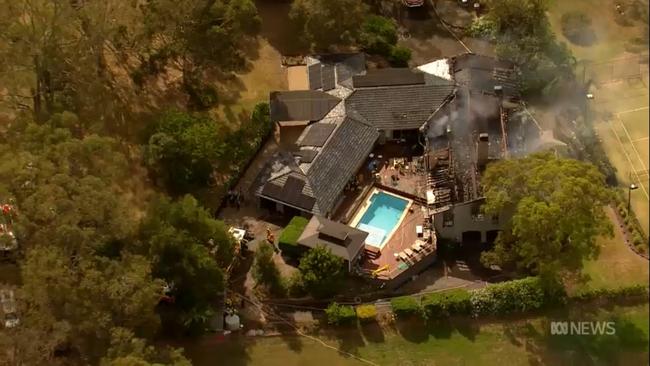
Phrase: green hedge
{"type": "Point", "coordinates": [442, 304]}
{"type": "Point", "coordinates": [612, 294]}
{"type": "Point", "coordinates": [516, 296]}
{"type": "Point", "coordinates": [340, 314]}
{"type": "Point", "coordinates": [366, 313]}
{"type": "Point", "coordinates": [406, 306]}
{"type": "Point", "coordinates": [288, 241]}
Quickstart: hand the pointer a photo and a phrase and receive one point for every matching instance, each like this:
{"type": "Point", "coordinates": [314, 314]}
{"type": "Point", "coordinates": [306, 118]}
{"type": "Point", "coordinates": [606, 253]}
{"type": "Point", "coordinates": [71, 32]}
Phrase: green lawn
{"type": "Point", "coordinates": [513, 342]}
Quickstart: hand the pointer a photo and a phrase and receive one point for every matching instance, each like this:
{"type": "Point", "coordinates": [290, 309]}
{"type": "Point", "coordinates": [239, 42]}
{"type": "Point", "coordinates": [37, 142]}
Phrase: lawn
{"type": "Point", "coordinates": [617, 265]}
{"type": "Point", "coordinates": [513, 342]}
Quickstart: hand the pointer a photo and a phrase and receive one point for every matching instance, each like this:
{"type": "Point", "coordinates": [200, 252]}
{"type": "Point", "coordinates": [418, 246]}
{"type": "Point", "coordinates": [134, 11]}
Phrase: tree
{"type": "Point", "coordinates": [63, 189]}
{"type": "Point", "coordinates": [188, 249]}
{"type": "Point", "coordinates": [523, 35]}
{"type": "Point", "coordinates": [378, 35]}
{"type": "Point", "coordinates": [127, 350]}
{"type": "Point", "coordinates": [61, 295]}
{"type": "Point", "coordinates": [322, 272]}
{"type": "Point", "coordinates": [326, 23]}
{"type": "Point", "coordinates": [265, 271]}
{"type": "Point", "coordinates": [557, 213]}
{"type": "Point", "coordinates": [184, 150]}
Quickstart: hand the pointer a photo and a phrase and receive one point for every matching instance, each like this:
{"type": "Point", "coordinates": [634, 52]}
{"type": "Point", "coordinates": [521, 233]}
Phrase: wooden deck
{"type": "Point", "coordinates": [403, 238]}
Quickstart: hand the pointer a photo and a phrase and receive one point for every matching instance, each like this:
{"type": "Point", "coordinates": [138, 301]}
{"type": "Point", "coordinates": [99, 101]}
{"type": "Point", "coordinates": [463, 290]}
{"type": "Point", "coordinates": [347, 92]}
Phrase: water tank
{"type": "Point", "coordinates": [232, 322]}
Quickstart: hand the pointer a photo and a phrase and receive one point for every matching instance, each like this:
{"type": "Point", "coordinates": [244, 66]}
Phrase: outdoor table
{"type": "Point", "coordinates": [408, 252]}
{"type": "Point", "coordinates": [417, 246]}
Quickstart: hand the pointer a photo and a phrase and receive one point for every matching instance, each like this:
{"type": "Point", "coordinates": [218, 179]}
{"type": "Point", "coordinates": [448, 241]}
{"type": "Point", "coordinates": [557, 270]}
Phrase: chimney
{"type": "Point", "coordinates": [482, 150]}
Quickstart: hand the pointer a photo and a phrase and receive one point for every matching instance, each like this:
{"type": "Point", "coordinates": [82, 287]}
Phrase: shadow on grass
{"type": "Point", "coordinates": [418, 330]}
{"type": "Point", "coordinates": [348, 337]}
{"type": "Point", "coordinates": [625, 343]}
{"type": "Point", "coordinates": [372, 332]}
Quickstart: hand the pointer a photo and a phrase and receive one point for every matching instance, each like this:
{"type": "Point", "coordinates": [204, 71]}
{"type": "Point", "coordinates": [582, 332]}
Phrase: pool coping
{"type": "Point", "coordinates": [361, 210]}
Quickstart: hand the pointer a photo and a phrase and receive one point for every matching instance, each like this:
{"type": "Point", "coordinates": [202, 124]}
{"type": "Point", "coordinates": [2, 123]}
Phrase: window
{"type": "Point", "coordinates": [477, 215]}
{"type": "Point", "coordinates": [448, 218]}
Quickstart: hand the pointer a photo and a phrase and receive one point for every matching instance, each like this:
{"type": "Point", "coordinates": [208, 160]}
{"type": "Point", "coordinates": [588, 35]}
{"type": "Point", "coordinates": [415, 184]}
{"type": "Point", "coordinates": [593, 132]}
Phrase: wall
{"type": "Point", "coordinates": [463, 222]}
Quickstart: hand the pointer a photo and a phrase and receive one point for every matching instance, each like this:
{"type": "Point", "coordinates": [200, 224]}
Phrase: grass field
{"type": "Point", "coordinates": [619, 82]}
{"type": "Point", "coordinates": [617, 265]}
{"type": "Point", "coordinates": [511, 342]}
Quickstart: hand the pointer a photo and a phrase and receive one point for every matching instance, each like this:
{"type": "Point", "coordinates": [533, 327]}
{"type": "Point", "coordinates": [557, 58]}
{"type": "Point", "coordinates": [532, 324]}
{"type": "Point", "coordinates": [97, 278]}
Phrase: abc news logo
{"type": "Point", "coordinates": [583, 328]}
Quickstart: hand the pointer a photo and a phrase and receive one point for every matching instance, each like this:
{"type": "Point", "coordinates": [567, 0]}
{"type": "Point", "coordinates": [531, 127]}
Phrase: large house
{"type": "Point", "coordinates": [457, 109]}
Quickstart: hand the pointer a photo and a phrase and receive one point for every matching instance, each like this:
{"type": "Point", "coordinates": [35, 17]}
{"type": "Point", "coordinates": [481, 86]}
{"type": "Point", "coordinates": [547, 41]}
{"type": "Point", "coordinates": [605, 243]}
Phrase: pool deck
{"type": "Point", "coordinates": [403, 237]}
{"type": "Point", "coordinates": [362, 210]}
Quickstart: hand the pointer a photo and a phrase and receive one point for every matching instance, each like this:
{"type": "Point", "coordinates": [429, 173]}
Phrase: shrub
{"type": "Point", "coordinates": [295, 286]}
{"type": "Point", "coordinates": [366, 313]}
{"type": "Point", "coordinates": [288, 241]}
{"type": "Point", "coordinates": [612, 294]}
{"type": "Point", "coordinates": [322, 272]}
{"type": "Point", "coordinates": [406, 306]}
{"type": "Point", "coordinates": [483, 28]}
{"type": "Point", "coordinates": [441, 304]}
{"type": "Point", "coordinates": [378, 35]}
{"type": "Point", "coordinates": [265, 271]}
{"type": "Point", "coordinates": [637, 239]}
{"type": "Point", "coordinates": [399, 56]}
{"type": "Point", "coordinates": [516, 296]}
{"type": "Point", "coordinates": [340, 314]}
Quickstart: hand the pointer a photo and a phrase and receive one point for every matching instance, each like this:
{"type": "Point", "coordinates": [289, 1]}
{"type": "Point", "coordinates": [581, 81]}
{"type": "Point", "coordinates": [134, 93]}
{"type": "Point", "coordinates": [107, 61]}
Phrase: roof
{"type": "Point", "coordinates": [339, 160]}
{"type": "Point", "coordinates": [314, 182]}
{"type": "Point", "coordinates": [344, 241]}
{"type": "Point", "coordinates": [439, 68]}
{"type": "Point", "coordinates": [328, 71]}
{"type": "Point", "coordinates": [398, 107]}
{"type": "Point", "coordinates": [388, 77]}
{"type": "Point", "coordinates": [301, 105]}
{"type": "Point", "coordinates": [483, 73]}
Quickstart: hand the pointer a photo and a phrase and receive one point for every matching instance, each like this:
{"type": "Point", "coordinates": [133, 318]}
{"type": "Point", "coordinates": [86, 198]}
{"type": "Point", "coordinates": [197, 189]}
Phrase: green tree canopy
{"type": "Point", "coordinates": [523, 35]}
{"type": "Point", "coordinates": [78, 300]}
{"type": "Point", "coordinates": [378, 35]}
{"type": "Point", "coordinates": [326, 23]}
{"type": "Point", "coordinates": [63, 188]}
{"type": "Point", "coordinates": [127, 350]}
{"type": "Point", "coordinates": [189, 249]}
{"type": "Point", "coordinates": [265, 271]}
{"type": "Point", "coordinates": [321, 272]}
{"type": "Point", "coordinates": [557, 213]}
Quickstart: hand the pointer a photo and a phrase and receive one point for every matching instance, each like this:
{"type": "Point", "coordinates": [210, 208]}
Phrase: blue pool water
{"type": "Point", "coordinates": [381, 217]}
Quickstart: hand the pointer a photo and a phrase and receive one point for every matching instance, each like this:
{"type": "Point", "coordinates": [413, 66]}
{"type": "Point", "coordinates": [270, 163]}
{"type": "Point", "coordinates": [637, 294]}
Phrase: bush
{"type": "Point", "coordinates": [322, 272]}
{"type": "Point", "coordinates": [366, 313]}
{"type": "Point", "coordinates": [340, 314]}
{"type": "Point", "coordinates": [294, 285]}
{"type": "Point", "coordinates": [516, 296]}
{"type": "Point", "coordinates": [441, 304]}
{"type": "Point", "coordinates": [612, 294]}
{"type": "Point", "coordinates": [483, 28]}
{"type": "Point", "coordinates": [265, 271]}
{"type": "Point", "coordinates": [288, 241]}
{"type": "Point", "coordinates": [406, 306]}
{"type": "Point", "coordinates": [399, 56]}
{"type": "Point", "coordinates": [637, 239]}
{"type": "Point", "coordinates": [378, 35]}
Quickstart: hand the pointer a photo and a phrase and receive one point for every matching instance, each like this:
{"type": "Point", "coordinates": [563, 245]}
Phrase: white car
{"type": "Point", "coordinates": [11, 320]}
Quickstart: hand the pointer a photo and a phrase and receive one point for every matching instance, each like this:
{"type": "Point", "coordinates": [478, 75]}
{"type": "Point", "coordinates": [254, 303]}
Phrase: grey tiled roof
{"type": "Point", "coordinates": [398, 107]}
{"type": "Point", "coordinates": [301, 105]}
{"type": "Point", "coordinates": [318, 232]}
{"type": "Point", "coordinates": [388, 77]}
{"type": "Point", "coordinates": [339, 159]}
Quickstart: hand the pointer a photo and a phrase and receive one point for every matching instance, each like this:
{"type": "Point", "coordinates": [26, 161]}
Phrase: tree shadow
{"type": "Point", "coordinates": [278, 29]}
{"type": "Point", "coordinates": [372, 332]}
{"type": "Point", "coordinates": [349, 338]}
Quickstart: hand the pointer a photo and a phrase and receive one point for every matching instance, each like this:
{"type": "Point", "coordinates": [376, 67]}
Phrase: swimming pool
{"type": "Point", "coordinates": [382, 217]}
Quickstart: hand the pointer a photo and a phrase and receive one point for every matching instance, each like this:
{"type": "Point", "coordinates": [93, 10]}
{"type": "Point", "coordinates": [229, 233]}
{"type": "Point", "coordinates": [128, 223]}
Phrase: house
{"type": "Point", "coordinates": [345, 112]}
{"type": "Point", "coordinates": [343, 241]}
{"type": "Point", "coordinates": [463, 111]}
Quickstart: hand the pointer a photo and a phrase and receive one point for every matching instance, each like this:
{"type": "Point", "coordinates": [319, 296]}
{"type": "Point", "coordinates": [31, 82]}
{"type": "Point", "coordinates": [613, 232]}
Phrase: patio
{"type": "Point", "coordinates": [401, 250]}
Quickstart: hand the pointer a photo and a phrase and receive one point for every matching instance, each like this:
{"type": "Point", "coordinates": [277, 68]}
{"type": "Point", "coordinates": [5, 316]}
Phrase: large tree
{"type": "Point", "coordinates": [321, 272]}
{"type": "Point", "coordinates": [326, 23]}
{"type": "Point", "coordinates": [523, 35]}
{"type": "Point", "coordinates": [189, 249]}
{"type": "Point", "coordinates": [78, 300]}
{"type": "Point", "coordinates": [556, 208]}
